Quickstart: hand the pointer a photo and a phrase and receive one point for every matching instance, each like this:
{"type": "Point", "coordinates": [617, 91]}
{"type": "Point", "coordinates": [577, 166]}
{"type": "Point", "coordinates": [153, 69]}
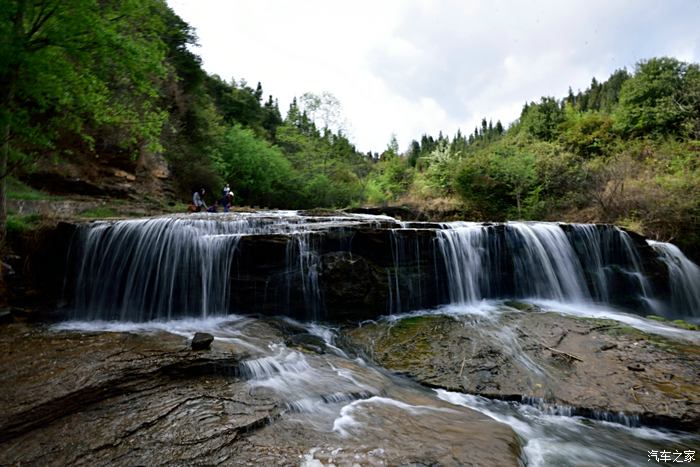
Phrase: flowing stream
{"type": "Point", "coordinates": [349, 404]}
{"type": "Point", "coordinates": [175, 274]}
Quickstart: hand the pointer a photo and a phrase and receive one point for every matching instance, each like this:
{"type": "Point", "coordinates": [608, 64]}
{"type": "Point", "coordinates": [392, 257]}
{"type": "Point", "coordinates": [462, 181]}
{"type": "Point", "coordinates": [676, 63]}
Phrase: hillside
{"type": "Point", "coordinates": [116, 110]}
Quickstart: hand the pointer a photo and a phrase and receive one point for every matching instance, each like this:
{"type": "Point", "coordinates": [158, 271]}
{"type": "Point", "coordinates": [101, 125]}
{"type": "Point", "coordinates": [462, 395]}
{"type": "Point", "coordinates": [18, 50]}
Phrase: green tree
{"type": "Point", "coordinates": [542, 120]}
{"type": "Point", "coordinates": [662, 98]}
{"type": "Point", "coordinates": [324, 110]}
{"type": "Point", "coordinates": [258, 172]}
{"type": "Point", "coordinates": [76, 65]}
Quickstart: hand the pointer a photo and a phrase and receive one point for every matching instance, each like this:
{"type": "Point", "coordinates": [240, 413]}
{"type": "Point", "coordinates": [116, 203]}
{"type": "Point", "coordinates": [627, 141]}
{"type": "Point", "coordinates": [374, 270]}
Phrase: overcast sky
{"type": "Point", "coordinates": [420, 66]}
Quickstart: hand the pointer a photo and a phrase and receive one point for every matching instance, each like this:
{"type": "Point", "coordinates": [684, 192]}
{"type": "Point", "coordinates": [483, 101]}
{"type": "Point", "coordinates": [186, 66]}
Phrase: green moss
{"type": "Point", "coordinates": [411, 322]}
{"type": "Point", "coordinates": [624, 330]}
{"type": "Point", "coordinates": [656, 318]}
{"type": "Point", "coordinates": [679, 323]}
{"type": "Point", "coordinates": [685, 325]}
{"type": "Point", "coordinates": [17, 224]}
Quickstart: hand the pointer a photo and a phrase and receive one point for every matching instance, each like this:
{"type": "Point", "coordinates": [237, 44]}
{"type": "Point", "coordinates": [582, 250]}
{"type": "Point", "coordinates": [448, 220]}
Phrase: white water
{"type": "Point", "coordinates": [561, 440]}
{"type": "Point", "coordinates": [364, 411]}
{"type": "Point", "coordinates": [173, 267]}
{"type": "Point", "coordinates": [167, 268]}
{"type": "Point", "coordinates": [574, 263]}
{"type": "Point", "coordinates": [684, 278]}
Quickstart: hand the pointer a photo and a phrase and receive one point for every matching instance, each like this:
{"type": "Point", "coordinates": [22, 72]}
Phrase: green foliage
{"type": "Point", "coordinates": [440, 166]}
{"type": "Point", "coordinates": [494, 180]}
{"type": "Point", "coordinates": [82, 75]}
{"type": "Point", "coordinates": [599, 96]}
{"type": "Point", "coordinates": [18, 224]}
{"type": "Point", "coordinates": [542, 120]}
{"type": "Point", "coordinates": [662, 98]}
{"type": "Point", "coordinates": [391, 178]}
{"type": "Point", "coordinates": [99, 212]}
{"type": "Point", "coordinates": [324, 110]}
{"type": "Point", "coordinates": [588, 134]}
{"type": "Point", "coordinates": [258, 172]}
{"type": "Point", "coordinates": [18, 190]}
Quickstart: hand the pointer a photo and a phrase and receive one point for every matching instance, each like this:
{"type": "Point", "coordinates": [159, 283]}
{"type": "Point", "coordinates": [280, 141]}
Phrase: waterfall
{"type": "Point", "coordinates": [466, 259]}
{"type": "Point", "coordinates": [301, 256]}
{"type": "Point", "coordinates": [565, 262]}
{"type": "Point", "coordinates": [140, 270]}
{"type": "Point", "coordinates": [170, 267]}
{"type": "Point", "coordinates": [204, 265]}
{"type": "Point", "coordinates": [684, 279]}
{"type": "Point", "coordinates": [407, 278]}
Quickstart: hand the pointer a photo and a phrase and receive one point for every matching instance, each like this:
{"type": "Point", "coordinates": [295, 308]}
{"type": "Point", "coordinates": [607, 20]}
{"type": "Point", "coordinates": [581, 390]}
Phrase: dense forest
{"type": "Point", "coordinates": [84, 77]}
{"type": "Point", "coordinates": [624, 151]}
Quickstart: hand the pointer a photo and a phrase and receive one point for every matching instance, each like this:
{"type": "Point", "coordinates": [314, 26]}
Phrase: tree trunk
{"type": "Point", "coordinates": [4, 155]}
{"type": "Point", "coordinates": [7, 101]}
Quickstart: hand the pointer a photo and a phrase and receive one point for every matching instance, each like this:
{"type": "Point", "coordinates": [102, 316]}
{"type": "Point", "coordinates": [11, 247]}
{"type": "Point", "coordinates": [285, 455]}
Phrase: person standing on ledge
{"type": "Point", "coordinates": [198, 200]}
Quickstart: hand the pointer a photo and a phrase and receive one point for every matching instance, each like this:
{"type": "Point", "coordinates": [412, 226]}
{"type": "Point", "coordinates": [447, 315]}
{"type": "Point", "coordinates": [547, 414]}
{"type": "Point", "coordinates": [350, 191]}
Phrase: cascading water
{"type": "Point", "coordinates": [684, 279]}
{"type": "Point", "coordinates": [165, 268]}
{"type": "Point", "coordinates": [185, 266]}
{"type": "Point", "coordinates": [154, 269]}
{"type": "Point", "coordinates": [160, 269]}
{"type": "Point", "coordinates": [302, 256]}
{"type": "Point", "coordinates": [574, 263]}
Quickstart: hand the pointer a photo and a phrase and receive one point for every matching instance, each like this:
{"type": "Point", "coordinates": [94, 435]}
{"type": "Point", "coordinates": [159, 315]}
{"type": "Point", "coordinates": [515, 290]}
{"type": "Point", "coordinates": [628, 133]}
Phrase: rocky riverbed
{"type": "Point", "coordinates": [98, 394]}
{"type": "Point", "coordinates": [594, 367]}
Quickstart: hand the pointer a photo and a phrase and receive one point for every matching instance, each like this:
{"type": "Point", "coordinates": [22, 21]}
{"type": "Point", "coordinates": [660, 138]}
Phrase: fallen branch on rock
{"type": "Point", "coordinates": [573, 357]}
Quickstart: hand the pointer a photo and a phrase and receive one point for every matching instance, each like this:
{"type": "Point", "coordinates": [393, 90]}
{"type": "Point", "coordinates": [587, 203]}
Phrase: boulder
{"type": "Point", "coordinates": [308, 342]}
{"type": "Point", "coordinates": [202, 341]}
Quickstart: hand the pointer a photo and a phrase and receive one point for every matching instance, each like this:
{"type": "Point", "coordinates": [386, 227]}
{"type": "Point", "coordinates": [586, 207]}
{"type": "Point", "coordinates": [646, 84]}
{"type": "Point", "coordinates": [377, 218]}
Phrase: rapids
{"type": "Point", "coordinates": [175, 274]}
{"type": "Point", "coordinates": [349, 404]}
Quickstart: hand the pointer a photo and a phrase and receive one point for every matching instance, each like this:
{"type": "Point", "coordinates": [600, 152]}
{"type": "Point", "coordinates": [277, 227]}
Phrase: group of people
{"type": "Point", "coordinates": [199, 205]}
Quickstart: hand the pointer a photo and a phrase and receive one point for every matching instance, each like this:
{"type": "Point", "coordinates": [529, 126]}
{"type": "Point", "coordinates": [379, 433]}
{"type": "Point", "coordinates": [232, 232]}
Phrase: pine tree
{"type": "Point", "coordinates": [259, 92]}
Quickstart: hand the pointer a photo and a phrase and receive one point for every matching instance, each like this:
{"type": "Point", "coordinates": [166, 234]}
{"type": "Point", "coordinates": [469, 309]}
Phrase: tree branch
{"type": "Point", "coordinates": [40, 21]}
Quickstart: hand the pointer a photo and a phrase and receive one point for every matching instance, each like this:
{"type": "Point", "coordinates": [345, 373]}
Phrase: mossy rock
{"type": "Point", "coordinates": [522, 306]}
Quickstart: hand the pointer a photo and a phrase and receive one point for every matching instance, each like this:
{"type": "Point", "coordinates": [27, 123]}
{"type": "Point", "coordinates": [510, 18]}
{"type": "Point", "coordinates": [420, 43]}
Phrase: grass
{"type": "Point", "coordinates": [20, 191]}
{"type": "Point", "coordinates": [175, 208]}
{"type": "Point", "coordinates": [17, 224]}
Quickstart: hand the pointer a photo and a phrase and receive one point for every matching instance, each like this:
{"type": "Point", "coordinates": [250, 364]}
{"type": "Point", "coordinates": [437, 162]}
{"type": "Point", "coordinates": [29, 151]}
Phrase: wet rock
{"type": "Point", "coordinates": [202, 341]}
{"type": "Point", "coordinates": [77, 398]}
{"type": "Point", "coordinates": [522, 306]}
{"type": "Point", "coordinates": [6, 317]}
{"type": "Point", "coordinates": [354, 288]}
{"type": "Point", "coordinates": [307, 341]}
{"type": "Point", "coordinates": [545, 356]}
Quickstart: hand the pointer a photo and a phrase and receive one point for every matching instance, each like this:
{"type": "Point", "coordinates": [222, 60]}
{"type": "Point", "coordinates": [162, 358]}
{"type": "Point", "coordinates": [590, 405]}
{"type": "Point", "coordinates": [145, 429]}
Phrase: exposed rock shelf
{"type": "Point", "coordinates": [112, 398]}
{"type": "Point", "coordinates": [593, 367]}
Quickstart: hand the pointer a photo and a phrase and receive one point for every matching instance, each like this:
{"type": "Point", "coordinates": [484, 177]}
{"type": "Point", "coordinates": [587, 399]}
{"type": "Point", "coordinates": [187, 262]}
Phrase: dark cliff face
{"type": "Point", "coordinates": [341, 273]}
{"type": "Point", "coordinates": [350, 274]}
{"type": "Point", "coordinates": [39, 268]}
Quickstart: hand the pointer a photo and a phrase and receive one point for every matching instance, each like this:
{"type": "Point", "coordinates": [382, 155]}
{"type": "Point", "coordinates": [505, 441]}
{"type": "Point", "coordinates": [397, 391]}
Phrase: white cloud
{"type": "Point", "coordinates": [419, 66]}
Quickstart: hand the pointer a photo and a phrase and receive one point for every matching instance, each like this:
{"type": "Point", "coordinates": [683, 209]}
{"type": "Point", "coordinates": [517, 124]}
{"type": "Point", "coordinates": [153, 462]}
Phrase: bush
{"type": "Point", "coordinates": [258, 172]}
